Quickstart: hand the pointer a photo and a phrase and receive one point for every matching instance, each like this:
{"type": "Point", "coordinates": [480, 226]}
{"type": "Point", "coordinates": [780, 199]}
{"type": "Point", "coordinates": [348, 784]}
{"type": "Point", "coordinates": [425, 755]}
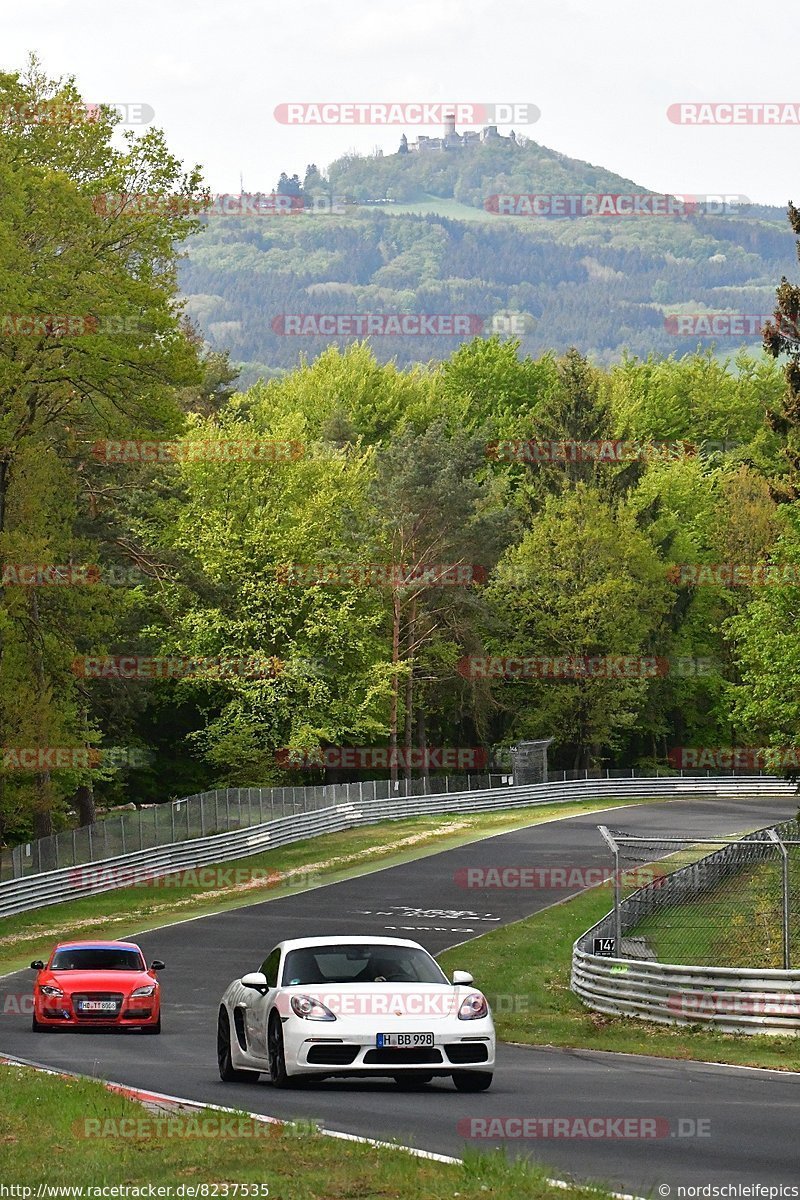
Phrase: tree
{"type": "Point", "coordinates": [92, 347]}
{"type": "Point", "coordinates": [436, 513]}
{"type": "Point", "coordinates": [782, 336]}
{"type": "Point", "coordinates": [584, 581]}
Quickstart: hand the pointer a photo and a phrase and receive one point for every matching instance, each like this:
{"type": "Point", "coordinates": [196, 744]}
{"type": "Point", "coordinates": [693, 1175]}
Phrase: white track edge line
{"type": "Point", "coordinates": [10, 1060]}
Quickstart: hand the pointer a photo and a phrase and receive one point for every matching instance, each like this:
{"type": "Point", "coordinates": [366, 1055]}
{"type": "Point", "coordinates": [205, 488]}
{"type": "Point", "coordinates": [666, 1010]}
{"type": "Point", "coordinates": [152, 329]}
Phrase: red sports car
{"type": "Point", "coordinates": [97, 984]}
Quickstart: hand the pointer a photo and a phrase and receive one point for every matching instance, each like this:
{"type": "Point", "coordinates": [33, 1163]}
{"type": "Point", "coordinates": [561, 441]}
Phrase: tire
{"type": "Point", "coordinates": [472, 1081]}
{"type": "Point", "coordinates": [279, 1076]}
{"type": "Point", "coordinates": [37, 1026]}
{"type": "Point", "coordinates": [153, 1029]}
{"type": "Point", "coordinates": [228, 1073]}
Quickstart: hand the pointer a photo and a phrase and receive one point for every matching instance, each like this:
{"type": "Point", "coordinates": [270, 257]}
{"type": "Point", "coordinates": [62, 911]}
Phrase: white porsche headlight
{"type": "Point", "coordinates": [473, 1007]}
{"type": "Point", "coordinates": [311, 1009]}
{"type": "Point", "coordinates": [147, 990]}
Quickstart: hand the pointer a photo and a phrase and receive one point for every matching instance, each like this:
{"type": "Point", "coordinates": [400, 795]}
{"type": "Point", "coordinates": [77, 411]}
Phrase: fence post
{"type": "Point", "coordinates": [617, 912]}
{"type": "Point", "coordinates": [787, 954]}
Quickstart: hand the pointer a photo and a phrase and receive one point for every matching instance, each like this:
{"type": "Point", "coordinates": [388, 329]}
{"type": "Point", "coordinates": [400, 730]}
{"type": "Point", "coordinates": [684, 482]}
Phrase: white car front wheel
{"type": "Point", "coordinates": [276, 1053]}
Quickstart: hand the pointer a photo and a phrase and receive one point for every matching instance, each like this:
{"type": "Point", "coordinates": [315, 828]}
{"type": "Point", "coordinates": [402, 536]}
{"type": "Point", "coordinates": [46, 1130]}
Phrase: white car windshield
{"type": "Point", "coordinates": [362, 963]}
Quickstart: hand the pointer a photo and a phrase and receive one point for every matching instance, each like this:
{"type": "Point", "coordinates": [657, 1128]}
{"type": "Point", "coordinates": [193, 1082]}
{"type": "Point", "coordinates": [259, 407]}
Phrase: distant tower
{"type": "Point", "coordinates": [449, 125]}
{"type": "Point", "coordinates": [403, 145]}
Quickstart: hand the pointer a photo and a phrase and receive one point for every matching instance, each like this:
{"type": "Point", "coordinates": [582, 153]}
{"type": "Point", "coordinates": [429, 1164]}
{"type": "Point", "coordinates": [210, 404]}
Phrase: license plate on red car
{"type": "Point", "coordinates": [404, 1039]}
{"type": "Point", "coordinates": [98, 1005]}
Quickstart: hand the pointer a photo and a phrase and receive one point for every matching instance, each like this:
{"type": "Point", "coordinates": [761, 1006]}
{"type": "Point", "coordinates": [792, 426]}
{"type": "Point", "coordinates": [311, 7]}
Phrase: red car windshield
{"type": "Point", "coordinates": [97, 958]}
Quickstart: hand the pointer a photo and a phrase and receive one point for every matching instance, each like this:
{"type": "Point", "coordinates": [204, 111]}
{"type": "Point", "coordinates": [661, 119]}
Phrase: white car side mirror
{"type": "Point", "coordinates": [462, 977]}
{"type": "Point", "coordinates": [256, 980]}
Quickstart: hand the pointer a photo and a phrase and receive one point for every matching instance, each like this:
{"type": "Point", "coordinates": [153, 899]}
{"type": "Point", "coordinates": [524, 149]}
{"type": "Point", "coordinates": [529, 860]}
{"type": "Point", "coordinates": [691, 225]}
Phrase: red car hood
{"type": "Point", "coordinates": [96, 981]}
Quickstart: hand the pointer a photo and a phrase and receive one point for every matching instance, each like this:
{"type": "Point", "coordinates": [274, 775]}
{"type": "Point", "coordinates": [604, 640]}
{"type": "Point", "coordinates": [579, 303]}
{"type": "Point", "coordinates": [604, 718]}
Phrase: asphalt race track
{"type": "Point", "coordinates": [751, 1115]}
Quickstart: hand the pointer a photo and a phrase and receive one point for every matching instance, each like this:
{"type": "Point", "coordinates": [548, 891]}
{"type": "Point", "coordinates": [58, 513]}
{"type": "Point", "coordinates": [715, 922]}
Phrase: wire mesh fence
{"type": "Point", "coordinates": [207, 813]}
{"type": "Point", "coordinates": [726, 902]}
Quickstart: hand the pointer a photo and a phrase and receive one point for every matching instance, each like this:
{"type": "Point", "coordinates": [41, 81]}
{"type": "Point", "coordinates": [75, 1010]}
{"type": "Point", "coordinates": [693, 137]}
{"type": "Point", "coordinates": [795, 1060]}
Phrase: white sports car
{"type": "Point", "coordinates": [355, 1006]}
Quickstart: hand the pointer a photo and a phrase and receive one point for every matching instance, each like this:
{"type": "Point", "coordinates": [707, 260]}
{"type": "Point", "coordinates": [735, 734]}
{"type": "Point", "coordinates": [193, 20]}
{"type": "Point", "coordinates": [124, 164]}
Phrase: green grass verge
{"type": "Point", "coordinates": [44, 1122]}
{"type": "Point", "coordinates": [324, 859]}
{"type": "Point", "coordinates": [525, 970]}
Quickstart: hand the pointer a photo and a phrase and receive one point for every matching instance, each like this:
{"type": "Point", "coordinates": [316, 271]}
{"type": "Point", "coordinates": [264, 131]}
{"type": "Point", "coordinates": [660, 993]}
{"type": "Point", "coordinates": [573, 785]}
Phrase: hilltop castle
{"type": "Point", "coordinates": [450, 140]}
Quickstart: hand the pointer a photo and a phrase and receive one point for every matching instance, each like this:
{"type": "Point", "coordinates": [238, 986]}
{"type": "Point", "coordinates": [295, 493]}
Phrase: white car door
{"type": "Point", "coordinates": [258, 1006]}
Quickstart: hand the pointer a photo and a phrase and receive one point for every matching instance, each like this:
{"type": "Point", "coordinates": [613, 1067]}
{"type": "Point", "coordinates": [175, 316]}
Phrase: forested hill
{"type": "Point", "coordinates": [470, 174]}
{"type": "Point", "coordinates": [414, 233]}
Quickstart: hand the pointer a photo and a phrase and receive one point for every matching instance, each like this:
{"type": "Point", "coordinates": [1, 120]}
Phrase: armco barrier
{"type": "Point", "coordinates": [731, 999]}
{"type": "Point", "coordinates": [54, 887]}
{"type": "Point", "coordinates": [221, 810]}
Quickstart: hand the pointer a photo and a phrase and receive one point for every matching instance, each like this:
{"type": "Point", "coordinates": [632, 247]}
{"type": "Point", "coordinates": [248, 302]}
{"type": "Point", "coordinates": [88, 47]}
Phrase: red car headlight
{"type": "Point", "coordinates": [473, 1007]}
{"type": "Point", "coordinates": [147, 990]}
{"type": "Point", "coordinates": [49, 990]}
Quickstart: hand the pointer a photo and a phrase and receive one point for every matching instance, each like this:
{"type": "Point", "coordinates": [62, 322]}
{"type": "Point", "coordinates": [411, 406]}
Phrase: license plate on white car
{"type": "Point", "coordinates": [98, 1006]}
{"type": "Point", "coordinates": [404, 1039]}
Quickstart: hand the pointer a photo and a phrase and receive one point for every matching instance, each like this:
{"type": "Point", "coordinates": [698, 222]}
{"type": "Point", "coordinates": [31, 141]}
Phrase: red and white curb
{"type": "Point", "coordinates": [162, 1102]}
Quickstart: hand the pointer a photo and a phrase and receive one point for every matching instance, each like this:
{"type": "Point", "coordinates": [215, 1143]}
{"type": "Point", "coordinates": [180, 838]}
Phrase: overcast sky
{"type": "Point", "coordinates": [602, 74]}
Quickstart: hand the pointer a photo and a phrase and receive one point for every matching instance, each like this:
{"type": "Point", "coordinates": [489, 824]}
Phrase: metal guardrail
{"type": "Point", "coordinates": [191, 817]}
{"type": "Point", "coordinates": [207, 813]}
{"type": "Point", "coordinates": [55, 887]}
{"type": "Point", "coordinates": [731, 999]}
